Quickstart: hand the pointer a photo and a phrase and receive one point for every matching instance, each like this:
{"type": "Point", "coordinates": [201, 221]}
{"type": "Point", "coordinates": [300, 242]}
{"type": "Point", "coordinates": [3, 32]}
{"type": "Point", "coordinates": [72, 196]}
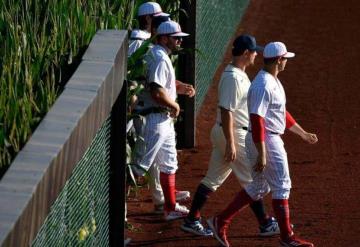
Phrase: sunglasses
{"type": "Point", "coordinates": [176, 38]}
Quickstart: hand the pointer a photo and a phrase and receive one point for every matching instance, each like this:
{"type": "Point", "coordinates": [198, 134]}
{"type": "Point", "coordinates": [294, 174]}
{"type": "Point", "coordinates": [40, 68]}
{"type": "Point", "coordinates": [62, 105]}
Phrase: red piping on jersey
{"type": "Point", "coordinates": [290, 121]}
{"type": "Point", "coordinates": [257, 128]}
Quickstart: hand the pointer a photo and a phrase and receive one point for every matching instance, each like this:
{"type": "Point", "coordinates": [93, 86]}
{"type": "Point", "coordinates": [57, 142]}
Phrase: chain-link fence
{"type": "Point", "coordinates": [80, 214]}
{"type": "Point", "coordinates": [216, 23]}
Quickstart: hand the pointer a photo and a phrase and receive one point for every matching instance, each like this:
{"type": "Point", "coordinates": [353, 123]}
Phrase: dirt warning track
{"type": "Point", "coordinates": [323, 94]}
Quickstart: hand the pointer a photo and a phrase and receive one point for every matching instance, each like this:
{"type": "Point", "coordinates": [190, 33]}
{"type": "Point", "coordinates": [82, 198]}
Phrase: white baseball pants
{"type": "Point", "coordinates": [275, 176]}
{"type": "Point", "coordinates": [154, 184]}
{"type": "Point", "coordinates": [160, 143]}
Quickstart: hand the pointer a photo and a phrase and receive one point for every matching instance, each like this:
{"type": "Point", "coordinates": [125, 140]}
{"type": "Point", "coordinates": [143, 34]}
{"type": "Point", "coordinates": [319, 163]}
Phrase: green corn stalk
{"type": "Point", "coordinates": [37, 39]}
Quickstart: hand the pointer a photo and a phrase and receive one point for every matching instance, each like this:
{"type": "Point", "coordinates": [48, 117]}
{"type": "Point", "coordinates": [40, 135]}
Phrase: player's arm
{"type": "Point", "coordinates": [294, 127]}
{"type": "Point", "coordinates": [185, 89]}
{"type": "Point", "coordinates": [158, 74]}
{"type": "Point", "coordinates": [258, 135]}
{"type": "Point", "coordinates": [159, 94]}
{"type": "Point", "coordinates": [227, 127]}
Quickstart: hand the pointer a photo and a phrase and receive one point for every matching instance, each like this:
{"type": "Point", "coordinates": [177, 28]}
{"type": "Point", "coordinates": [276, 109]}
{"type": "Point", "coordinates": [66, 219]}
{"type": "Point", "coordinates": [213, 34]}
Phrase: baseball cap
{"type": "Point", "coordinates": [157, 20]}
{"type": "Point", "coordinates": [246, 42]}
{"type": "Point", "coordinates": [151, 8]}
{"type": "Point", "coordinates": [171, 28]}
{"type": "Point", "coordinates": [277, 49]}
{"type": "Point", "coordinates": [139, 34]}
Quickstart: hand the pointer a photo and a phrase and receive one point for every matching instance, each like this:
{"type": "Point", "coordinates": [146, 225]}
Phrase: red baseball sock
{"type": "Point", "coordinates": [167, 182]}
{"type": "Point", "coordinates": [241, 200]}
{"type": "Point", "coordinates": [281, 210]}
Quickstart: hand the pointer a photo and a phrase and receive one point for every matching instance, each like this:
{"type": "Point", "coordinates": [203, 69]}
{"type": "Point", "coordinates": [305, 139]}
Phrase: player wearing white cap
{"type": "Point", "coordinates": [228, 139]}
{"type": "Point", "coordinates": [265, 149]}
{"type": "Point", "coordinates": [160, 107]}
{"type": "Point", "coordinates": [146, 13]}
{"type": "Point", "coordinates": [150, 16]}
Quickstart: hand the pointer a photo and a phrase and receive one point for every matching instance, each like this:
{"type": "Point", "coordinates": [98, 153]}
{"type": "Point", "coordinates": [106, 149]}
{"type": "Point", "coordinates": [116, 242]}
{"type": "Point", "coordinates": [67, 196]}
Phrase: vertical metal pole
{"type": "Point", "coordinates": [117, 170]}
{"type": "Point", "coordinates": [186, 127]}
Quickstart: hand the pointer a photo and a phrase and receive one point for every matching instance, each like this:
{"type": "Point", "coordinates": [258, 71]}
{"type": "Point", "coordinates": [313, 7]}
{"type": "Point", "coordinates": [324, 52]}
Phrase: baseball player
{"type": "Point", "coordinates": [150, 16]}
{"type": "Point", "coordinates": [228, 139]}
{"type": "Point", "coordinates": [146, 13]}
{"type": "Point", "coordinates": [159, 109]}
{"type": "Point", "coordinates": [265, 148]}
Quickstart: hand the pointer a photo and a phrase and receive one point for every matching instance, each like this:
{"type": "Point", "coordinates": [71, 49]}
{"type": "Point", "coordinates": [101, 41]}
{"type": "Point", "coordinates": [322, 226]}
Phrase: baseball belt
{"type": "Point", "coordinates": [272, 132]}
{"type": "Point", "coordinates": [149, 110]}
{"type": "Point", "coordinates": [244, 128]}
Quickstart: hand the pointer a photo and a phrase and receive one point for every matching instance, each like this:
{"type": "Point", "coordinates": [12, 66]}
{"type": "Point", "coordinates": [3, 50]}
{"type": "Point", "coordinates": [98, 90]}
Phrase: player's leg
{"type": "Point", "coordinates": [148, 148]}
{"type": "Point", "coordinates": [252, 192]}
{"type": "Point", "coordinates": [278, 178]}
{"type": "Point", "coordinates": [155, 188]}
{"type": "Point", "coordinates": [243, 168]}
{"type": "Point", "coordinates": [267, 225]}
{"type": "Point", "coordinates": [157, 193]}
{"type": "Point", "coordinates": [216, 174]}
{"type": "Point", "coordinates": [167, 159]}
{"type": "Point", "coordinates": [218, 171]}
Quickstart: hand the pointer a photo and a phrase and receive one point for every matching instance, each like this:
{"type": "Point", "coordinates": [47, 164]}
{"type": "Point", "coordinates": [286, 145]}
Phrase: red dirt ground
{"type": "Point", "coordinates": [323, 93]}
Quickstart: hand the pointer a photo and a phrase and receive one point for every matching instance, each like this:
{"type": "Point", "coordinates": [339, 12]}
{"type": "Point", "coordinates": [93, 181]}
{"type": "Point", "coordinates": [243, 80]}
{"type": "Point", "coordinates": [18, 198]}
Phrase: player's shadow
{"type": "Point", "coordinates": [147, 217]}
{"type": "Point", "coordinates": [170, 241]}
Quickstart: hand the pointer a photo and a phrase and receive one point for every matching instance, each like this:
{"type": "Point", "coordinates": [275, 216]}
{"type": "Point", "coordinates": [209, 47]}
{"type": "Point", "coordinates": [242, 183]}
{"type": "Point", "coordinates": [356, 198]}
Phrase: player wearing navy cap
{"type": "Point", "coordinates": [228, 139]}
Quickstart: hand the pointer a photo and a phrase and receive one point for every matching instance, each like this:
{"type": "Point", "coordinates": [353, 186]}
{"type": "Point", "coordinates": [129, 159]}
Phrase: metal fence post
{"type": "Point", "coordinates": [117, 170]}
{"type": "Point", "coordinates": [186, 127]}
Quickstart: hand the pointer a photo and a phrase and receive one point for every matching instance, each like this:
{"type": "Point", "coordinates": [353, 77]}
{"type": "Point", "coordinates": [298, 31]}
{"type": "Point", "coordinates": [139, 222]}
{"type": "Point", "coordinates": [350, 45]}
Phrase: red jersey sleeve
{"type": "Point", "coordinates": [290, 121]}
{"type": "Point", "coordinates": [257, 128]}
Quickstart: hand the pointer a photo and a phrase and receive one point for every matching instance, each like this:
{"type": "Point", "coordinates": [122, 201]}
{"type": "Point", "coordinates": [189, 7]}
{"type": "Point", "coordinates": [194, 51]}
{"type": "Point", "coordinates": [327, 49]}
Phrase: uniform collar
{"type": "Point", "coordinates": [231, 67]}
{"type": "Point", "coordinates": [160, 47]}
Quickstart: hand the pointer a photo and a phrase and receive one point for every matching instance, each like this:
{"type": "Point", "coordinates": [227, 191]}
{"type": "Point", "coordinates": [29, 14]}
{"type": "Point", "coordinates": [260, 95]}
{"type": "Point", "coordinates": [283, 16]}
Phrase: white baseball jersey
{"type": "Point", "coordinates": [139, 123]}
{"type": "Point", "coordinates": [232, 90]}
{"type": "Point", "coordinates": [135, 43]}
{"type": "Point", "coordinates": [161, 71]}
{"type": "Point", "coordinates": [159, 132]}
{"type": "Point", "coordinates": [232, 93]}
{"type": "Point", "coordinates": [268, 101]}
{"type": "Point", "coordinates": [266, 98]}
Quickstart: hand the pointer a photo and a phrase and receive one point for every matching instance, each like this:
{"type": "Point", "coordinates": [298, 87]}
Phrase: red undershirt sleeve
{"type": "Point", "coordinates": [257, 128]}
{"type": "Point", "coordinates": [290, 121]}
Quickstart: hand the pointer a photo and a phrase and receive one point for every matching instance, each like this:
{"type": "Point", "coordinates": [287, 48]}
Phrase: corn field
{"type": "Point", "coordinates": [41, 41]}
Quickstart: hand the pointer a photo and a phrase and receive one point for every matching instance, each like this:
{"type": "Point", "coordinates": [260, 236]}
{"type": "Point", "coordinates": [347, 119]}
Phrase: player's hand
{"type": "Point", "coordinates": [175, 111]}
{"type": "Point", "coordinates": [310, 138]}
{"type": "Point", "coordinates": [260, 163]}
{"type": "Point", "coordinates": [185, 89]}
{"type": "Point", "coordinates": [230, 152]}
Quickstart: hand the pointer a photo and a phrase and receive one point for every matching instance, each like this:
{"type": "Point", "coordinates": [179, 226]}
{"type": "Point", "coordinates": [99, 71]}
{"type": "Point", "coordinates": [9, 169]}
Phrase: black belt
{"type": "Point", "coordinates": [274, 133]}
{"type": "Point", "coordinates": [137, 39]}
{"type": "Point", "coordinates": [147, 111]}
{"type": "Point", "coordinates": [244, 128]}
